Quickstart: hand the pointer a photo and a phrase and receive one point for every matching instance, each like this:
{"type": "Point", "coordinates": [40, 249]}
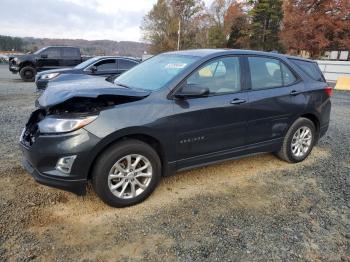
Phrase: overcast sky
{"type": "Point", "coordinates": [86, 19]}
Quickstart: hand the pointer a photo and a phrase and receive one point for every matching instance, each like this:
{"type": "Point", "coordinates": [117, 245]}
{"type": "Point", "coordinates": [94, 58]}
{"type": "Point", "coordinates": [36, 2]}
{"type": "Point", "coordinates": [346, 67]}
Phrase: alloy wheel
{"type": "Point", "coordinates": [130, 176]}
{"type": "Point", "coordinates": [301, 141]}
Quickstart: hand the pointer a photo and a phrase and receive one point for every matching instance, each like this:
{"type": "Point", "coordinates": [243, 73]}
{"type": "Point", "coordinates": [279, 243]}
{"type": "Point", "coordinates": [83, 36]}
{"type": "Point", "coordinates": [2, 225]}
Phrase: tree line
{"type": "Point", "coordinates": [8, 43]}
{"type": "Point", "coordinates": [288, 26]}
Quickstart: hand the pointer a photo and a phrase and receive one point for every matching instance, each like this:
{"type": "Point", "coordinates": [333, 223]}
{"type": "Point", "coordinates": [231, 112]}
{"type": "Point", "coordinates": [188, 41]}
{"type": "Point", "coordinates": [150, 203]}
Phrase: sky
{"type": "Point", "coordinates": [117, 20]}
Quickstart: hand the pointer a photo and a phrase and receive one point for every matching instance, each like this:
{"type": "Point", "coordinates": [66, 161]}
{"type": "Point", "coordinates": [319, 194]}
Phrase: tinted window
{"type": "Point", "coordinates": [265, 72]}
{"type": "Point", "coordinates": [269, 73]}
{"type": "Point", "coordinates": [52, 52]}
{"type": "Point", "coordinates": [219, 76]}
{"type": "Point", "coordinates": [288, 76]}
{"type": "Point", "coordinates": [155, 72]}
{"type": "Point", "coordinates": [104, 65]}
{"type": "Point", "coordinates": [124, 64]}
{"type": "Point", "coordinates": [310, 68]}
{"type": "Point", "coordinates": [70, 53]}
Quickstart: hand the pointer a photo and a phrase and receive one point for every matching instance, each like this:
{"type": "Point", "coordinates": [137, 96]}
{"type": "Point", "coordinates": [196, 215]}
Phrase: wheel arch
{"type": "Point", "coordinates": [27, 63]}
{"type": "Point", "coordinates": [315, 120]}
{"type": "Point", "coordinates": [146, 138]}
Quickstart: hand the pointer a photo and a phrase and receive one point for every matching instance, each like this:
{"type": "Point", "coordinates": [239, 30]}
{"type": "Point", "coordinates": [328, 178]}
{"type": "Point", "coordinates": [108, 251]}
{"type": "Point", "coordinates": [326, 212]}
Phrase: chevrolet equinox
{"type": "Point", "coordinates": [175, 111]}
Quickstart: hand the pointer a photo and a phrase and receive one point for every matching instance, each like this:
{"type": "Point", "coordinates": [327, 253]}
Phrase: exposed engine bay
{"type": "Point", "coordinates": [74, 107]}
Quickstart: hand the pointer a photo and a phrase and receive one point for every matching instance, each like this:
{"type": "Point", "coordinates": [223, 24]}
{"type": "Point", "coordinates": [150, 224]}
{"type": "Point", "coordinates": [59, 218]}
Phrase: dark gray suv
{"type": "Point", "coordinates": [175, 111]}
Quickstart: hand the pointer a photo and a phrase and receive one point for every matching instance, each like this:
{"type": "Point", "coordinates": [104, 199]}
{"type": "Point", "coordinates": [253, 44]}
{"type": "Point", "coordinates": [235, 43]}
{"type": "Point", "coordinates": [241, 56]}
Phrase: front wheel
{"type": "Point", "coordinates": [126, 173]}
{"type": "Point", "coordinates": [27, 73]}
{"type": "Point", "coordinates": [299, 141]}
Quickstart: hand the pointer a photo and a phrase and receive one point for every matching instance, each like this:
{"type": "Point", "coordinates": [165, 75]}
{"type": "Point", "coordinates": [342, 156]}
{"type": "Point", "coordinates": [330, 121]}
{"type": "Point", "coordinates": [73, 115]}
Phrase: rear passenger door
{"type": "Point", "coordinates": [70, 57]}
{"type": "Point", "coordinates": [125, 64]}
{"type": "Point", "coordinates": [275, 98]}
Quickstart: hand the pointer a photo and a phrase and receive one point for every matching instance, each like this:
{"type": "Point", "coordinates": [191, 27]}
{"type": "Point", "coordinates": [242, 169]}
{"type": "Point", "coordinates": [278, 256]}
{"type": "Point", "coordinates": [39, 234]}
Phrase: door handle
{"type": "Point", "coordinates": [294, 92]}
{"type": "Point", "coordinates": [237, 101]}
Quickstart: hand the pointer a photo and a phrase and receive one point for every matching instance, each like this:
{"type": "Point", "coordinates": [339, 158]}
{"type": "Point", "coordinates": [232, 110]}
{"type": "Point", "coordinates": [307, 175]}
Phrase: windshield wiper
{"type": "Point", "coordinates": [120, 84]}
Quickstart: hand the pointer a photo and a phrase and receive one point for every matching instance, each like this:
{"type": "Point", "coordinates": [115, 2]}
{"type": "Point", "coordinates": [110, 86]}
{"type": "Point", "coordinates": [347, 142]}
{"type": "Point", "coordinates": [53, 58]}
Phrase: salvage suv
{"type": "Point", "coordinates": [175, 111]}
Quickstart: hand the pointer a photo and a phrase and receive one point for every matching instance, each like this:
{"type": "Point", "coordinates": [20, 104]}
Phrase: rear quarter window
{"type": "Point", "coordinates": [310, 68]}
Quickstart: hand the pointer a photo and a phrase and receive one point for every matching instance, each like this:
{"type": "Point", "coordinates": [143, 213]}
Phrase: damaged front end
{"type": "Point", "coordinates": [55, 145]}
{"type": "Point", "coordinates": [76, 102]}
{"type": "Point", "coordinates": [68, 116]}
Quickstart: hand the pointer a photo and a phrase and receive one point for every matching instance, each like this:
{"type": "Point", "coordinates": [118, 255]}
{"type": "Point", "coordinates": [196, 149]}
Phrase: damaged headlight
{"type": "Point", "coordinates": [49, 76]}
{"type": "Point", "coordinates": [62, 125]}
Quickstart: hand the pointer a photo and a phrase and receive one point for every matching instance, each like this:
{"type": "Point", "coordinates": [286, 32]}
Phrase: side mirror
{"type": "Point", "coordinates": [192, 91]}
{"type": "Point", "coordinates": [93, 69]}
{"type": "Point", "coordinates": [44, 56]}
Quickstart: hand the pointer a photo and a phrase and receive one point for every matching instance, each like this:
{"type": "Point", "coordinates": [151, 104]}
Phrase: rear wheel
{"type": "Point", "coordinates": [126, 173]}
{"type": "Point", "coordinates": [299, 141]}
{"type": "Point", "coordinates": [27, 73]}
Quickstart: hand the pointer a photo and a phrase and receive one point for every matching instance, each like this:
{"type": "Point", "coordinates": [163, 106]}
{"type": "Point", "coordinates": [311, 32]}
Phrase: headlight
{"type": "Point", "coordinates": [49, 76]}
{"type": "Point", "coordinates": [61, 125]}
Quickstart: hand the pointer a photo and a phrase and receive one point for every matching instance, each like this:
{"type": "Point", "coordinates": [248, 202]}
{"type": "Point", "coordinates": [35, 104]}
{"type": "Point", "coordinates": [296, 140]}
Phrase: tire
{"type": "Point", "coordinates": [114, 159]}
{"type": "Point", "coordinates": [27, 73]}
{"type": "Point", "coordinates": [286, 152]}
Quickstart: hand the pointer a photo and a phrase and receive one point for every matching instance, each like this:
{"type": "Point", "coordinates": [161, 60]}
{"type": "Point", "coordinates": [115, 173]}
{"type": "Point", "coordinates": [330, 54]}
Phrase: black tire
{"type": "Point", "coordinates": [109, 157]}
{"type": "Point", "coordinates": [27, 73]}
{"type": "Point", "coordinates": [285, 152]}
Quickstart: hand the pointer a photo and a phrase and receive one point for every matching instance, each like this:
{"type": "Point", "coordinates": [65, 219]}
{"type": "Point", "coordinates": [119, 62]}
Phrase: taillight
{"type": "Point", "coordinates": [329, 91]}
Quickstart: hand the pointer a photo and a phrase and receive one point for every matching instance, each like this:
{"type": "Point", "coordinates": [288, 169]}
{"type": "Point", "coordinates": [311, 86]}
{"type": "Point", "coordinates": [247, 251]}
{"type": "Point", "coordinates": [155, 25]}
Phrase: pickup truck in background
{"type": "Point", "coordinates": [47, 58]}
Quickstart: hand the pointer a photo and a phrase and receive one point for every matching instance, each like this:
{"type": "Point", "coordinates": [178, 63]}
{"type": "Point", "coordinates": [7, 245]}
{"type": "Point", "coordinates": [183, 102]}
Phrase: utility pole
{"type": "Point", "coordinates": [178, 35]}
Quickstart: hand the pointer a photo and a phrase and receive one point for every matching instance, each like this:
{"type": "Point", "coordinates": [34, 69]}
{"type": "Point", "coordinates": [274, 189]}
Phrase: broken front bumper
{"type": "Point", "coordinates": [13, 68]}
{"type": "Point", "coordinates": [41, 158]}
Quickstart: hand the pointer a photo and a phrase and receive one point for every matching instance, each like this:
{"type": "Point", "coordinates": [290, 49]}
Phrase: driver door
{"type": "Point", "coordinates": [49, 58]}
{"type": "Point", "coordinates": [212, 126]}
{"type": "Point", "coordinates": [104, 67]}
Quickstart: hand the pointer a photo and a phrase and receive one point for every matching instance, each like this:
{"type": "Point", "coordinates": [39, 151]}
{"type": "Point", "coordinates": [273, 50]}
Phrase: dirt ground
{"type": "Point", "coordinates": [253, 209]}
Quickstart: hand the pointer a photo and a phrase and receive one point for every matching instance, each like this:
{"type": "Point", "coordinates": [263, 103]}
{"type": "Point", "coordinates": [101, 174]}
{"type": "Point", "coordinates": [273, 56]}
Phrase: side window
{"type": "Point", "coordinates": [288, 76]}
{"type": "Point", "coordinates": [52, 52]}
{"type": "Point", "coordinates": [310, 68]}
{"type": "Point", "coordinates": [104, 65]}
{"type": "Point", "coordinates": [124, 64]}
{"type": "Point", "coordinates": [219, 76]}
{"type": "Point", "coordinates": [265, 73]}
{"type": "Point", "coordinates": [70, 53]}
{"type": "Point", "coordinates": [269, 73]}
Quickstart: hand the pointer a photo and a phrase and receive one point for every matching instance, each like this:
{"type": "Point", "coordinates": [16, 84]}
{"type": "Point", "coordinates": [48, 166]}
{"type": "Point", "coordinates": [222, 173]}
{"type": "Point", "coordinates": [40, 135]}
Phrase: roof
{"type": "Point", "coordinates": [207, 52]}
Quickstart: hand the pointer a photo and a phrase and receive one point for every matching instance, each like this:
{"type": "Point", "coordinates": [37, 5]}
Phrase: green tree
{"type": "Point", "coordinates": [8, 43]}
{"type": "Point", "coordinates": [266, 18]}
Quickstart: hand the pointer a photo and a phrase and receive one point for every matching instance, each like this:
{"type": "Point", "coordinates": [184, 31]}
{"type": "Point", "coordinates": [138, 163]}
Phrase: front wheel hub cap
{"type": "Point", "coordinates": [130, 176]}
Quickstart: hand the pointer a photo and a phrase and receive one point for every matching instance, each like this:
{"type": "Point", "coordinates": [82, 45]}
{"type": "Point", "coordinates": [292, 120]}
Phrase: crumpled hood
{"type": "Point", "coordinates": [87, 86]}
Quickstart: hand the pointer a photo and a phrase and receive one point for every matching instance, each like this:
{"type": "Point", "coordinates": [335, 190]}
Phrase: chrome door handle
{"type": "Point", "coordinates": [294, 92]}
{"type": "Point", "coordinates": [237, 101]}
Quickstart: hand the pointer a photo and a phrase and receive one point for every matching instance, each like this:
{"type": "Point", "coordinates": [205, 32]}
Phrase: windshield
{"type": "Point", "coordinates": [39, 51]}
{"type": "Point", "coordinates": [155, 72]}
{"type": "Point", "coordinates": [86, 63]}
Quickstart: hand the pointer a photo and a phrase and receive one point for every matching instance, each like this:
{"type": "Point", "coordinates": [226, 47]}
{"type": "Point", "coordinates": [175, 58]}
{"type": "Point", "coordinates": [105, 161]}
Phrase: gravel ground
{"type": "Point", "coordinates": [253, 209]}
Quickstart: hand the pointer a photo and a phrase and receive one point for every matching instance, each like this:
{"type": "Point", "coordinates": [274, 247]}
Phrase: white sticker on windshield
{"type": "Point", "coordinates": [175, 65]}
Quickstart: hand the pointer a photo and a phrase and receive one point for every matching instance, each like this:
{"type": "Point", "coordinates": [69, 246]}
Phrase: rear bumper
{"type": "Point", "coordinates": [75, 186]}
